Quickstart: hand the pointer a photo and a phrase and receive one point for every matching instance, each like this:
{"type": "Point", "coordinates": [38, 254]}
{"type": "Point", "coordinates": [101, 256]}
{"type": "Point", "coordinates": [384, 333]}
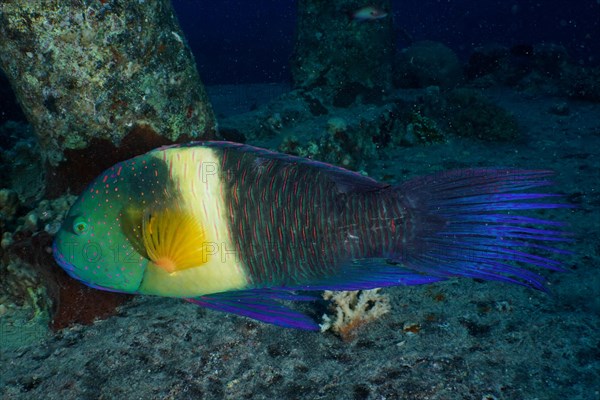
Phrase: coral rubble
{"type": "Point", "coordinates": [354, 309]}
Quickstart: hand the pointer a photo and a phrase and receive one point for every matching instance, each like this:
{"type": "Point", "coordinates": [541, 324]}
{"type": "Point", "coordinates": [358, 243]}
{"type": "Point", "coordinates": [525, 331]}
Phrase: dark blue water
{"type": "Point", "coordinates": [237, 41]}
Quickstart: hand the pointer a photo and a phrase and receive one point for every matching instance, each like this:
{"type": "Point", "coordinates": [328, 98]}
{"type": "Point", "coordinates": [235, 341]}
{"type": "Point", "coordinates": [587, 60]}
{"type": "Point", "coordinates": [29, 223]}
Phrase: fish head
{"type": "Point", "coordinates": [99, 242]}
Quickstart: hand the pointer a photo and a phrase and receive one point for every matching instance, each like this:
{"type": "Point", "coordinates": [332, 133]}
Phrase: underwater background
{"type": "Point", "coordinates": [391, 89]}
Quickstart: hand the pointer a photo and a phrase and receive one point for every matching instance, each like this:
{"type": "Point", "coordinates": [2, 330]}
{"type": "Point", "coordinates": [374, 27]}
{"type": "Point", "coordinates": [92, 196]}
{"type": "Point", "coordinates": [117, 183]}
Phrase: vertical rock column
{"type": "Point", "coordinates": [96, 74]}
{"type": "Point", "coordinates": [343, 56]}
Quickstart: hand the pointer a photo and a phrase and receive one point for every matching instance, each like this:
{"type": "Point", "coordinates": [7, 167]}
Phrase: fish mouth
{"type": "Point", "coordinates": [62, 261]}
{"type": "Point", "coordinates": [71, 270]}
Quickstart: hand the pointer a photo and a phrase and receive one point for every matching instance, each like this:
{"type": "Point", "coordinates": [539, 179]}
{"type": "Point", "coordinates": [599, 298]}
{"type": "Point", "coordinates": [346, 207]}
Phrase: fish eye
{"type": "Point", "coordinates": [80, 226]}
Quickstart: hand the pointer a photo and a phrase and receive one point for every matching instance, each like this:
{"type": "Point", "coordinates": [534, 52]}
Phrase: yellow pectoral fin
{"type": "Point", "coordinates": [174, 239]}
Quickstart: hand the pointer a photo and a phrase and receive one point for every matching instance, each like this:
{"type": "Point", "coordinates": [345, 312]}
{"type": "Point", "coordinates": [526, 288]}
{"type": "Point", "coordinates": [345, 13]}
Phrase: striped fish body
{"type": "Point", "coordinates": [274, 220]}
{"type": "Point", "coordinates": [295, 222]}
{"type": "Point", "coordinates": [237, 228]}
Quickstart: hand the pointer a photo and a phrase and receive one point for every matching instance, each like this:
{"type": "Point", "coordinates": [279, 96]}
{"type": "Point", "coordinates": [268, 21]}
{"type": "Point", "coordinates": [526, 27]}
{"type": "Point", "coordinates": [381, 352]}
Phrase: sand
{"type": "Point", "coordinates": [469, 340]}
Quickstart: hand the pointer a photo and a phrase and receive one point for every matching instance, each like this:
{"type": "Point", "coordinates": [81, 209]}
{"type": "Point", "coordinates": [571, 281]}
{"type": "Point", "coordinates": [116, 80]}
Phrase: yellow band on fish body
{"type": "Point", "coordinates": [195, 173]}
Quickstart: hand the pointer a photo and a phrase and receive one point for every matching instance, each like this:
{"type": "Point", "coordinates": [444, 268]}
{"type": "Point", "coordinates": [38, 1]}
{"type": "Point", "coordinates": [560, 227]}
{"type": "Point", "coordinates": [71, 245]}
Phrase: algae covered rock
{"type": "Point", "coordinates": [339, 55]}
{"type": "Point", "coordinates": [427, 63]}
{"type": "Point", "coordinates": [338, 147]}
{"type": "Point", "coordinates": [95, 70]}
{"type": "Point", "coordinates": [421, 129]}
{"type": "Point", "coordinates": [23, 170]}
{"type": "Point", "coordinates": [470, 114]}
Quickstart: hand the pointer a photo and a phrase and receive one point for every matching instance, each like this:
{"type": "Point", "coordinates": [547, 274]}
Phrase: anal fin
{"type": "Point", "coordinates": [261, 305]}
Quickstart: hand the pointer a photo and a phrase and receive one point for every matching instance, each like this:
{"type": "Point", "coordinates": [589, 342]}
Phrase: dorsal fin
{"type": "Point", "coordinates": [345, 180]}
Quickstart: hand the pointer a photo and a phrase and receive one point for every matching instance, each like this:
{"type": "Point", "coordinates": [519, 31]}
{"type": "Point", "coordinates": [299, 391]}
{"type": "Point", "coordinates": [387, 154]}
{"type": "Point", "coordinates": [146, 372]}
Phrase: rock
{"type": "Point", "coordinates": [425, 64]}
{"type": "Point", "coordinates": [336, 53]}
{"type": "Point", "coordinates": [85, 72]}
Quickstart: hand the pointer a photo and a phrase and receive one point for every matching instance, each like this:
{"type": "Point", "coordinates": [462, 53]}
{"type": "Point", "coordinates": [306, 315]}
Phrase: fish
{"type": "Point", "coordinates": [244, 230]}
{"type": "Point", "coordinates": [368, 13]}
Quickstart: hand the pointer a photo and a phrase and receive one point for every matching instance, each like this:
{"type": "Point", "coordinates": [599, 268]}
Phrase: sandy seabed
{"type": "Point", "coordinates": [475, 340]}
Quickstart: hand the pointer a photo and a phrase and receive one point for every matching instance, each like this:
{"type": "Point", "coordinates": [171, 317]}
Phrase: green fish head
{"type": "Point", "coordinates": [99, 242]}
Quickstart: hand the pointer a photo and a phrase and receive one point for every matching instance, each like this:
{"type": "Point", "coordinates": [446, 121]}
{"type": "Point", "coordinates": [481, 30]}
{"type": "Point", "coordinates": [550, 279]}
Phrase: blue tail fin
{"type": "Point", "coordinates": [470, 223]}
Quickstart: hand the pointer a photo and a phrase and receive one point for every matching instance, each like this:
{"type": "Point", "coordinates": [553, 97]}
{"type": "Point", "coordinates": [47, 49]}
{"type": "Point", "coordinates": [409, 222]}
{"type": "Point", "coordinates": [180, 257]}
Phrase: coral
{"type": "Point", "coordinates": [24, 302]}
{"type": "Point", "coordinates": [292, 145]}
{"type": "Point", "coordinates": [31, 282]}
{"type": "Point", "coordinates": [9, 202]}
{"type": "Point", "coordinates": [48, 215]}
{"type": "Point", "coordinates": [19, 282]}
{"type": "Point", "coordinates": [344, 142]}
{"type": "Point", "coordinates": [25, 258]}
{"type": "Point", "coordinates": [425, 64]}
{"type": "Point", "coordinates": [336, 125]}
{"type": "Point", "coordinates": [338, 146]}
{"type": "Point", "coordinates": [274, 123]}
{"type": "Point", "coordinates": [270, 120]}
{"type": "Point", "coordinates": [354, 309]}
{"type": "Point", "coordinates": [470, 114]}
{"type": "Point", "coordinates": [421, 130]}
{"type": "Point", "coordinates": [23, 248]}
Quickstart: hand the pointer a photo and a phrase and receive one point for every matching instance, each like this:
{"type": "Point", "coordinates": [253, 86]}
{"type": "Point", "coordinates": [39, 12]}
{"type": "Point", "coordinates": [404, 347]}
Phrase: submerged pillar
{"type": "Point", "coordinates": [91, 73]}
{"type": "Point", "coordinates": [346, 46]}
